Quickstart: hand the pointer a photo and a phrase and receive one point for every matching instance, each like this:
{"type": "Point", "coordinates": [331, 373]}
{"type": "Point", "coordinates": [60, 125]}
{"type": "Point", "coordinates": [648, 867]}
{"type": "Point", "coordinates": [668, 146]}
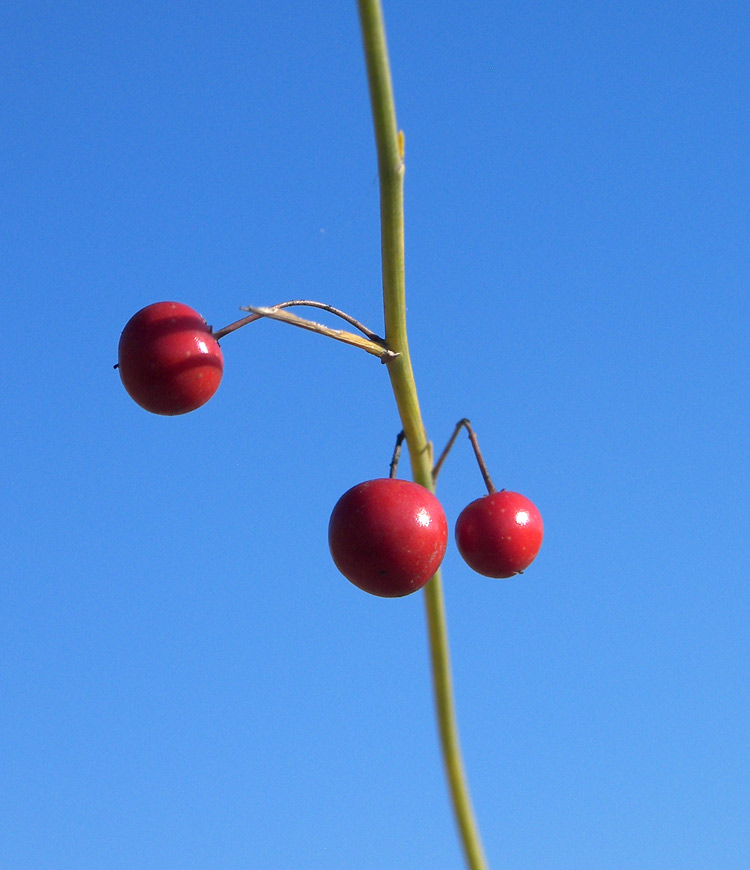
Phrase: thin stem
{"type": "Point", "coordinates": [243, 321]}
{"type": "Point", "coordinates": [396, 453]}
{"type": "Point", "coordinates": [446, 450]}
{"type": "Point", "coordinates": [480, 459]}
{"type": "Point", "coordinates": [233, 327]}
{"type": "Point", "coordinates": [477, 453]}
{"type": "Point", "coordinates": [390, 150]}
{"type": "Point", "coordinates": [378, 348]}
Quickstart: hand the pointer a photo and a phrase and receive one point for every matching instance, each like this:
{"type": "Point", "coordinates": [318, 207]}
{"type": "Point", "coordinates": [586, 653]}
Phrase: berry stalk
{"type": "Point", "coordinates": [477, 453]}
{"type": "Point", "coordinates": [389, 143]}
{"type": "Point", "coordinates": [371, 342]}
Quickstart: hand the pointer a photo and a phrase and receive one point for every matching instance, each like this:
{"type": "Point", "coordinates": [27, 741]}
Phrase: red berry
{"type": "Point", "coordinates": [500, 534]}
{"type": "Point", "coordinates": [388, 536]}
{"type": "Point", "coordinates": [168, 360]}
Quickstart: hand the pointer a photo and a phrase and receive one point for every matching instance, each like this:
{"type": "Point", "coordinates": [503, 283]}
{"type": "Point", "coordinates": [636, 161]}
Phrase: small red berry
{"type": "Point", "coordinates": [500, 534]}
{"type": "Point", "coordinates": [388, 536]}
{"type": "Point", "coordinates": [168, 360]}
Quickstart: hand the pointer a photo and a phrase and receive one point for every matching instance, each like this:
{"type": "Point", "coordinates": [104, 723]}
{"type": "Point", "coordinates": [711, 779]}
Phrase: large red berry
{"type": "Point", "coordinates": [168, 360]}
{"type": "Point", "coordinates": [500, 534]}
{"type": "Point", "coordinates": [388, 536]}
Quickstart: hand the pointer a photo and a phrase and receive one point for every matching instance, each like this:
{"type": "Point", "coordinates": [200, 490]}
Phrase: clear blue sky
{"type": "Point", "coordinates": [185, 680]}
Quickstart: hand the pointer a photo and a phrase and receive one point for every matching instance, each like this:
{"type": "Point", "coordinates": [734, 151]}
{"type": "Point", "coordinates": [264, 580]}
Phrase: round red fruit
{"type": "Point", "coordinates": [168, 360]}
{"type": "Point", "coordinates": [500, 534]}
{"type": "Point", "coordinates": [388, 536]}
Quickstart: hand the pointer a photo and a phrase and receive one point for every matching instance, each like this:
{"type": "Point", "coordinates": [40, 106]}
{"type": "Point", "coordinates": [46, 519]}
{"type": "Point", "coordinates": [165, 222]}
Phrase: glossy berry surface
{"type": "Point", "coordinates": [388, 536]}
{"type": "Point", "coordinates": [168, 360]}
{"type": "Point", "coordinates": [500, 534]}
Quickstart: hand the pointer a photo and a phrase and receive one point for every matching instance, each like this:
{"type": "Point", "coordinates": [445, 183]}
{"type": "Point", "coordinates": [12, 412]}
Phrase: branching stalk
{"type": "Point", "coordinates": [466, 424]}
{"type": "Point", "coordinates": [372, 343]}
{"type": "Point", "coordinates": [378, 348]}
{"type": "Point", "coordinates": [390, 151]}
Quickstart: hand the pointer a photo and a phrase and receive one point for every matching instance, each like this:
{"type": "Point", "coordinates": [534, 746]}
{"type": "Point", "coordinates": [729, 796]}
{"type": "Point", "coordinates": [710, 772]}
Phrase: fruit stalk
{"type": "Point", "coordinates": [477, 453]}
{"type": "Point", "coordinates": [390, 153]}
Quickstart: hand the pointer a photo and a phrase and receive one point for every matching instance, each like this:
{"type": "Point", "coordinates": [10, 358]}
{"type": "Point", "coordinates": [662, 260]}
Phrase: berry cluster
{"type": "Point", "coordinates": [387, 536]}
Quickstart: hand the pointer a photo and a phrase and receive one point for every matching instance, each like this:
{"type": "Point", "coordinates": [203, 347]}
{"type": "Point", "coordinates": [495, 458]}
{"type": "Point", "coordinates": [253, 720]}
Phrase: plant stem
{"type": "Point", "coordinates": [477, 453]}
{"type": "Point", "coordinates": [389, 144]}
{"type": "Point", "coordinates": [233, 327]}
{"type": "Point", "coordinates": [396, 454]}
{"type": "Point", "coordinates": [377, 348]}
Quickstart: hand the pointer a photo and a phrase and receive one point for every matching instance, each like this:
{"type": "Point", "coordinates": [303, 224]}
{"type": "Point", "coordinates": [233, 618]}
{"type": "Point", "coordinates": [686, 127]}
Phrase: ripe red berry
{"type": "Point", "coordinates": [388, 536]}
{"type": "Point", "coordinates": [500, 534]}
{"type": "Point", "coordinates": [168, 360]}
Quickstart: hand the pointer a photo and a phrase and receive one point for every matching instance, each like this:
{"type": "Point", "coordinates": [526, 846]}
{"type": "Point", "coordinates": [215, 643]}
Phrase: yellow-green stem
{"type": "Point", "coordinates": [389, 144]}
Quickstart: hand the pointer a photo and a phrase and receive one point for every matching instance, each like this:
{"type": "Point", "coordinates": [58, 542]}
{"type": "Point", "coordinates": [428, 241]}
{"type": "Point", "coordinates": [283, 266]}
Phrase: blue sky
{"type": "Point", "coordinates": [185, 679]}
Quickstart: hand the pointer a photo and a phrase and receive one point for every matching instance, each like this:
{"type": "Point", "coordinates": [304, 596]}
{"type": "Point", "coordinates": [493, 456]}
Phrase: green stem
{"type": "Point", "coordinates": [389, 144]}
